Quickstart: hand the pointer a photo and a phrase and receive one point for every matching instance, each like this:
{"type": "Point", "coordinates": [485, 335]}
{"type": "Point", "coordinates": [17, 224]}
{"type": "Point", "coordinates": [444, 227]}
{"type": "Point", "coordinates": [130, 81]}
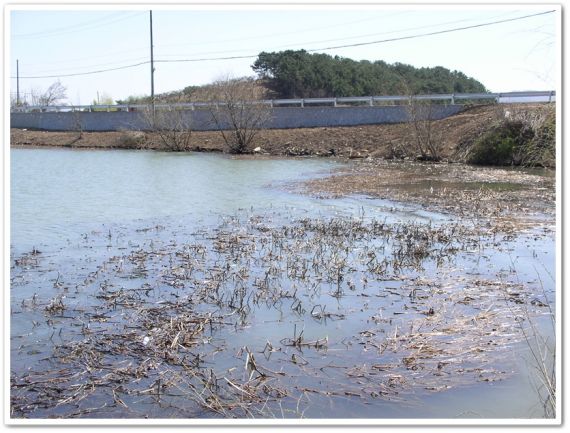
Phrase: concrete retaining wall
{"type": "Point", "coordinates": [201, 120]}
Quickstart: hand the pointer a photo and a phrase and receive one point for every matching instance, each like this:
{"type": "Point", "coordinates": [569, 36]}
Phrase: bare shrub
{"type": "Point", "coordinates": [238, 111]}
{"type": "Point", "coordinates": [541, 346]}
{"type": "Point", "coordinates": [428, 143]}
{"type": "Point", "coordinates": [132, 140]}
{"type": "Point", "coordinates": [78, 123]}
{"type": "Point", "coordinates": [171, 126]}
{"type": "Point", "coordinates": [532, 115]}
{"type": "Point", "coordinates": [53, 95]}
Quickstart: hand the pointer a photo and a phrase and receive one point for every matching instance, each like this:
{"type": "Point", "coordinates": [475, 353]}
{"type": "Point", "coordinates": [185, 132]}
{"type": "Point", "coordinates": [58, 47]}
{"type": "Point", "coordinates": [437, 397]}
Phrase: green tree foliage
{"type": "Point", "coordinates": [299, 74]}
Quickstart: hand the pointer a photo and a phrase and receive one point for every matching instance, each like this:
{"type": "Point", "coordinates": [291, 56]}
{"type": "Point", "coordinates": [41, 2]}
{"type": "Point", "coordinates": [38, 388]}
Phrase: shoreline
{"type": "Point", "coordinates": [437, 326]}
{"type": "Point", "coordinates": [356, 142]}
{"type": "Point", "coordinates": [425, 307]}
{"type": "Point", "coordinates": [453, 137]}
{"type": "Point", "coordinates": [387, 141]}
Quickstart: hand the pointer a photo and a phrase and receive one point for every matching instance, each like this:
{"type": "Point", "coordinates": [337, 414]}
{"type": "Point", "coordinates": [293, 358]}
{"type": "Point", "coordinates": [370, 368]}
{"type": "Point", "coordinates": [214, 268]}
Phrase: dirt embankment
{"type": "Point", "coordinates": [452, 135]}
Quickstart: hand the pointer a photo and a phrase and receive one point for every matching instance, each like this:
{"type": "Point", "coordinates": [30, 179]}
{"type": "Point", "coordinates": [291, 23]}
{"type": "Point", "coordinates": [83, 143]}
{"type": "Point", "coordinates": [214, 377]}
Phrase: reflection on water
{"type": "Point", "coordinates": [128, 239]}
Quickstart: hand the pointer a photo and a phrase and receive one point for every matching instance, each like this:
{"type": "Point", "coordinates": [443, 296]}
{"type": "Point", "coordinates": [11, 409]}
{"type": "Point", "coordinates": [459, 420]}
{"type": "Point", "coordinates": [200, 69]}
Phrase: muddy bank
{"type": "Point", "coordinates": [454, 136]}
{"type": "Point", "coordinates": [508, 199]}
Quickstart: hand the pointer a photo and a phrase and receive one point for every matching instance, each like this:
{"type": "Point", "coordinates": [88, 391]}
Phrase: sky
{"type": "Point", "coordinates": [58, 44]}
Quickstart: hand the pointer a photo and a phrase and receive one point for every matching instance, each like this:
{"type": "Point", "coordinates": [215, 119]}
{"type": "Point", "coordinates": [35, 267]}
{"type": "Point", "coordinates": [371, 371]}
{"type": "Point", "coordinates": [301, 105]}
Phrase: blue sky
{"type": "Point", "coordinates": [515, 55]}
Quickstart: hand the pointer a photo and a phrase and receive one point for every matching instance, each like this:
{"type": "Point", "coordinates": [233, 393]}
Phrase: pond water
{"type": "Point", "coordinates": [179, 270]}
{"type": "Point", "coordinates": [57, 193]}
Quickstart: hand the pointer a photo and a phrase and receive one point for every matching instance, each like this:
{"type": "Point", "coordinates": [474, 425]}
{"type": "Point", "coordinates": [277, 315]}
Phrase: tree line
{"type": "Point", "coordinates": [300, 74]}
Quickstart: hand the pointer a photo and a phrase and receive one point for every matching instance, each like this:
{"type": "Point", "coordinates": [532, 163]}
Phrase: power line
{"type": "Point", "coordinates": [66, 30]}
{"type": "Point", "coordinates": [401, 38]}
{"type": "Point", "coordinates": [391, 31]}
{"type": "Point", "coordinates": [80, 59]}
{"type": "Point", "coordinates": [87, 73]}
{"type": "Point", "coordinates": [209, 42]}
{"type": "Point", "coordinates": [59, 29]}
{"type": "Point", "coordinates": [205, 59]}
{"type": "Point", "coordinates": [328, 40]}
{"type": "Point", "coordinates": [232, 40]}
{"type": "Point", "coordinates": [310, 50]}
{"type": "Point", "coordinates": [321, 41]}
{"type": "Point", "coordinates": [89, 67]}
{"type": "Point", "coordinates": [257, 37]}
{"type": "Point", "coordinates": [111, 54]}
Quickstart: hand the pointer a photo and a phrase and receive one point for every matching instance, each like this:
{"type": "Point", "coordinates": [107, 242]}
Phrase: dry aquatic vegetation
{"type": "Point", "coordinates": [264, 316]}
{"type": "Point", "coordinates": [507, 199]}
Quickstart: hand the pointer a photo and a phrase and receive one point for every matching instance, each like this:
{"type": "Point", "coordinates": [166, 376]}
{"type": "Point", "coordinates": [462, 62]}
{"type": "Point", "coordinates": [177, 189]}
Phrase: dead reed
{"type": "Point", "coordinates": [160, 325]}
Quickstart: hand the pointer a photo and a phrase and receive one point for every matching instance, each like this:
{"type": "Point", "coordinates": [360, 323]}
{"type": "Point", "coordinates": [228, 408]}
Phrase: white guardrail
{"type": "Point", "coordinates": [505, 98]}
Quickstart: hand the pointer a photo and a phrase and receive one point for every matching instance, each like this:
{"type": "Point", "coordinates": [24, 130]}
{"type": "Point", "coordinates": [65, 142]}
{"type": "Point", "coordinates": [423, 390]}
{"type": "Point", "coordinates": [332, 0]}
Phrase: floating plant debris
{"type": "Point", "coordinates": [159, 325]}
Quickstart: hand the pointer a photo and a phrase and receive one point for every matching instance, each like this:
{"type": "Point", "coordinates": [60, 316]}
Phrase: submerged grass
{"type": "Point", "coordinates": [156, 330]}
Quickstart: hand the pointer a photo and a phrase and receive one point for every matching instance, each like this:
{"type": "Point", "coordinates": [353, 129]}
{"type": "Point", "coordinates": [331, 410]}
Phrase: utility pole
{"type": "Point", "coordinates": [17, 83]}
{"type": "Point", "coordinates": [151, 69]}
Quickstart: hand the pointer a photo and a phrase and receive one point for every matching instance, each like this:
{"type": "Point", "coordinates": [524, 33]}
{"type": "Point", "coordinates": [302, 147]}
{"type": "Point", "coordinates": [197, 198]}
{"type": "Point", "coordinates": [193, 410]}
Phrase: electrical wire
{"type": "Point", "coordinates": [88, 67]}
{"type": "Point", "coordinates": [311, 50]}
{"type": "Point", "coordinates": [79, 59]}
{"type": "Point", "coordinates": [59, 29]}
{"type": "Point", "coordinates": [81, 29]}
{"type": "Point", "coordinates": [328, 40]}
{"type": "Point", "coordinates": [87, 73]}
{"type": "Point", "coordinates": [214, 42]}
{"type": "Point", "coordinates": [401, 38]}
{"type": "Point", "coordinates": [389, 32]}
{"type": "Point", "coordinates": [264, 37]}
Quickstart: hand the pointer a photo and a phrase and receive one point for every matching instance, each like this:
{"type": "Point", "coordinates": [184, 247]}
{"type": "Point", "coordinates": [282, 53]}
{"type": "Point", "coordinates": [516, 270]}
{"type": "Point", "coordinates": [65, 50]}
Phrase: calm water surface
{"type": "Point", "coordinates": [57, 193]}
{"type": "Point", "coordinates": [65, 202]}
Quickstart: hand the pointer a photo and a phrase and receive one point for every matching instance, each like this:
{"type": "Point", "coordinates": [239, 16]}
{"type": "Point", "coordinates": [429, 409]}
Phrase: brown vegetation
{"type": "Point", "coordinates": [124, 350]}
{"type": "Point", "coordinates": [141, 346]}
{"type": "Point", "coordinates": [456, 136]}
{"type": "Point", "coordinates": [234, 107]}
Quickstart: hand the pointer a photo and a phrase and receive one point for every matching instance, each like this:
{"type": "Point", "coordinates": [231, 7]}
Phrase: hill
{"type": "Point", "coordinates": [300, 74]}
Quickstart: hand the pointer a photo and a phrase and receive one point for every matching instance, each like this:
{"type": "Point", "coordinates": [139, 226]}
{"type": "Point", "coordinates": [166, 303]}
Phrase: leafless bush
{"type": "Point", "coordinates": [238, 112]}
{"type": "Point", "coordinates": [16, 102]}
{"type": "Point", "coordinates": [428, 143]}
{"type": "Point", "coordinates": [540, 121]}
{"type": "Point", "coordinates": [534, 115]}
{"type": "Point", "coordinates": [77, 123]}
{"type": "Point", "coordinates": [132, 139]}
{"type": "Point", "coordinates": [171, 126]}
{"type": "Point", "coordinates": [53, 95]}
